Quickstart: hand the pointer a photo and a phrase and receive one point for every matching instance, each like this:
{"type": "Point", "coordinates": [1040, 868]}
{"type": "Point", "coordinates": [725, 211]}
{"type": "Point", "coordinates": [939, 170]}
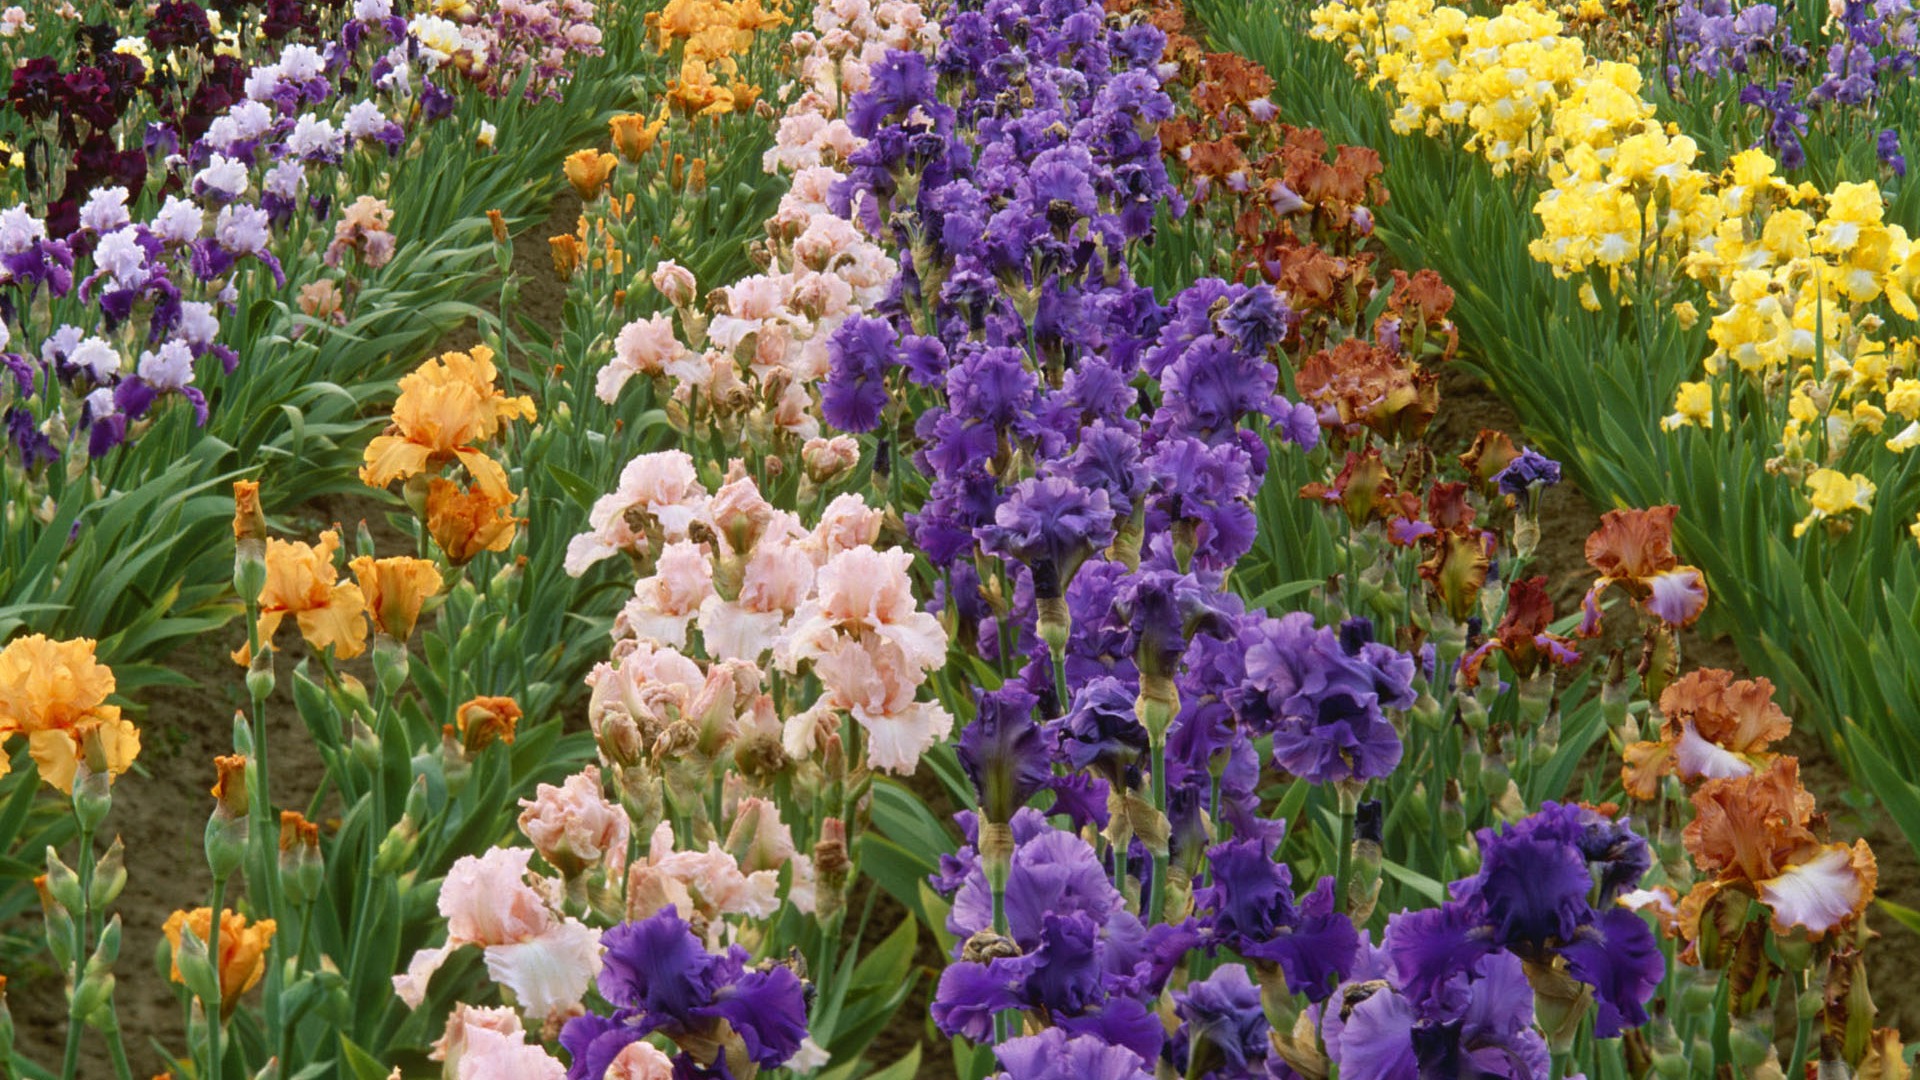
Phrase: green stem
{"type": "Point", "coordinates": [70, 1060]}
{"type": "Point", "coordinates": [1157, 893]}
{"type": "Point", "coordinates": [1061, 701]}
{"type": "Point", "coordinates": [1802, 1027]}
{"type": "Point", "coordinates": [215, 1017]}
{"type": "Point", "coordinates": [116, 1046]}
{"type": "Point", "coordinates": [1344, 855]}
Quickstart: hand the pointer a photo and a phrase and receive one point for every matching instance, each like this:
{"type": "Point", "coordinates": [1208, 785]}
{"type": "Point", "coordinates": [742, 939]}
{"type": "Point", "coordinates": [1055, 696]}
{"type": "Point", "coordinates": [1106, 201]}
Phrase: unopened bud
{"type": "Point", "coordinates": [109, 877]}
{"type": "Point", "coordinates": [1363, 888]}
{"type": "Point", "coordinates": [92, 782]}
{"type": "Point", "coordinates": [63, 884]}
{"type": "Point", "coordinates": [301, 868]}
{"type": "Point", "coordinates": [396, 847]}
{"type": "Point", "coordinates": [391, 664]}
{"type": "Point", "coordinates": [260, 675]}
{"type": "Point", "coordinates": [365, 744]}
{"type": "Point", "coordinates": [831, 867]}
{"type": "Point", "coordinates": [58, 921]}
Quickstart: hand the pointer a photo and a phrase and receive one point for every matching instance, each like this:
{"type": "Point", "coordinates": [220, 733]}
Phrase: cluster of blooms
{"type": "Point", "coordinates": [711, 36]}
{"type": "Point", "coordinates": [756, 583]}
{"type": "Point", "coordinates": [1766, 891]}
{"type": "Point", "coordinates": [1082, 537]}
{"type": "Point", "coordinates": [1869, 49]}
{"type": "Point", "coordinates": [447, 410]}
{"type": "Point", "coordinates": [749, 361]}
{"type": "Point", "coordinates": [1297, 219]}
{"type": "Point", "coordinates": [1797, 279]}
{"type": "Point", "coordinates": [699, 743]}
{"type": "Point", "coordinates": [136, 306]}
{"type": "Point", "coordinates": [499, 44]}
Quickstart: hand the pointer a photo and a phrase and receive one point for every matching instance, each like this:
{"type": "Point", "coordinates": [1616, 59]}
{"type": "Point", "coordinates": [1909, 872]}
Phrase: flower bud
{"type": "Point", "coordinates": [226, 833]}
{"type": "Point", "coordinates": [1363, 888]}
{"type": "Point", "coordinates": [250, 541]}
{"type": "Point", "coordinates": [1560, 1003]}
{"type": "Point", "coordinates": [260, 675]}
{"type": "Point", "coordinates": [565, 250]}
{"type": "Point", "coordinates": [301, 868]}
{"type": "Point", "coordinates": [62, 883]}
{"type": "Point", "coordinates": [1453, 815]}
{"type": "Point", "coordinates": [1751, 1040]}
{"type": "Point", "coordinates": [1426, 712]}
{"type": "Point", "coordinates": [828, 460]}
{"type": "Point", "coordinates": [454, 764]}
{"type": "Point", "coordinates": [192, 966]}
{"type": "Point", "coordinates": [93, 779]}
{"type": "Point", "coordinates": [831, 867]}
{"type": "Point", "coordinates": [109, 877]}
{"type": "Point", "coordinates": [365, 744]}
{"type": "Point", "coordinates": [391, 664]}
{"type": "Point", "coordinates": [483, 721]}
{"type": "Point", "coordinates": [58, 920]}
{"type": "Point", "coordinates": [396, 847]}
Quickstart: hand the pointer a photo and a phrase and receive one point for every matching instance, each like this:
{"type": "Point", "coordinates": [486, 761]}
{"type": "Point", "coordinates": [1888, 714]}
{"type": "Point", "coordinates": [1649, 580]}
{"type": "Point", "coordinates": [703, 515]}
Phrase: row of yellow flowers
{"type": "Point", "coordinates": [1811, 294]}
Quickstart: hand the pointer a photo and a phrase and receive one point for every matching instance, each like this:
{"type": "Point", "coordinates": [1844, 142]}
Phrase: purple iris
{"type": "Point", "coordinates": [1479, 1022]}
{"type": "Point", "coordinates": [1002, 751]}
{"type": "Point", "coordinates": [1546, 886]}
{"type": "Point", "coordinates": [1527, 473]}
{"type": "Point", "coordinates": [1102, 733]}
{"type": "Point", "coordinates": [1055, 1055]}
{"type": "Point", "coordinates": [1053, 525]}
{"type": "Point", "coordinates": [1322, 703]}
{"type": "Point", "coordinates": [1223, 1032]}
{"type": "Point", "coordinates": [855, 392]}
{"type": "Point", "coordinates": [660, 978]}
{"type": "Point", "coordinates": [1253, 911]}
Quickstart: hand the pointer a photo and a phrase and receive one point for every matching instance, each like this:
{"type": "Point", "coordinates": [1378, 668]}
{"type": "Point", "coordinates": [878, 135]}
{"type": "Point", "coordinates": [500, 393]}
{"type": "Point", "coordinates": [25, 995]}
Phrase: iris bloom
{"type": "Point", "coordinates": [243, 949]}
{"type": "Point", "coordinates": [1758, 834]}
{"type": "Point", "coordinates": [1634, 550]}
{"type": "Point", "coordinates": [1522, 635]}
{"type": "Point", "coordinates": [303, 582]}
{"type": "Point", "coordinates": [55, 693]}
{"type": "Point", "coordinates": [447, 407]}
{"type": "Point", "coordinates": [394, 590]}
{"type": "Point", "coordinates": [465, 522]}
{"type": "Point", "coordinates": [546, 960]}
{"type": "Point", "coordinates": [1715, 727]}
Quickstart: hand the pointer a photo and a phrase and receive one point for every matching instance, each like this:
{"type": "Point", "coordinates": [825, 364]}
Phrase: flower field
{"type": "Point", "coordinates": [1034, 539]}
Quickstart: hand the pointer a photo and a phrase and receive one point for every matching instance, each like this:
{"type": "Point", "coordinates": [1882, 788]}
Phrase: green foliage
{"type": "Point", "coordinates": [1827, 618]}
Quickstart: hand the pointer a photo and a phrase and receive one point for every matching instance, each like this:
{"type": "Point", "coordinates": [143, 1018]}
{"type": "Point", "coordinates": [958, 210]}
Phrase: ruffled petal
{"type": "Point", "coordinates": [390, 458]}
{"type": "Point", "coordinates": [1823, 892]}
{"type": "Point", "coordinates": [1679, 595]}
{"type": "Point", "coordinates": [1695, 758]}
{"type": "Point", "coordinates": [550, 972]}
{"type": "Point", "coordinates": [412, 985]}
